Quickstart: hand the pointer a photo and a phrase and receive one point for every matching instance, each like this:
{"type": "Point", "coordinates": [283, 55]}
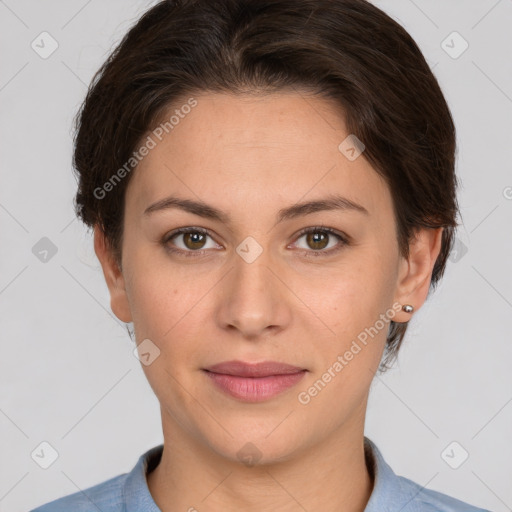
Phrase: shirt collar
{"type": "Point", "coordinates": [136, 493]}
{"type": "Point", "coordinates": [388, 493]}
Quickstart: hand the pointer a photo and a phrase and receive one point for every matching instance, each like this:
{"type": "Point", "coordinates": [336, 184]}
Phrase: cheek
{"type": "Point", "coordinates": [159, 301]}
{"type": "Point", "coordinates": [167, 310]}
{"type": "Point", "coordinates": [350, 295]}
{"type": "Point", "coordinates": [345, 362]}
{"type": "Point", "coordinates": [169, 304]}
{"type": "Point", "coordinates": [355, 301]}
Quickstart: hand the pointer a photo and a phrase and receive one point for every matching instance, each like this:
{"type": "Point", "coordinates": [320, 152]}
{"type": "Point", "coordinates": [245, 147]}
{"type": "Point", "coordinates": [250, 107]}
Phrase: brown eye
{"type": "Point", "coordinates": [317, 240]}
{"type": "Point", "coordinates": [189, 242]}
{"type": "Point", "coordinates": [194, 240]}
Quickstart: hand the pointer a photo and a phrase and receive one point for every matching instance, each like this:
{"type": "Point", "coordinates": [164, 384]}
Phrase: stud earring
{"type": "Point", "coordinates": [408, 308]}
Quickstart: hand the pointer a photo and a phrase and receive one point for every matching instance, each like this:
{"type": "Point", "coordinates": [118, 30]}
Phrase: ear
{"type": "Point", "coordinates": [415, 272]}
{"type": "Point", "coordinates": [113, 277]}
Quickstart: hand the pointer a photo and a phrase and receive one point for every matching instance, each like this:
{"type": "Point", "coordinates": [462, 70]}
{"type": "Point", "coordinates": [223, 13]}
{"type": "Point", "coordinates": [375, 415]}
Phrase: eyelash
{"type": "Point", "coordinates": [345, 241]}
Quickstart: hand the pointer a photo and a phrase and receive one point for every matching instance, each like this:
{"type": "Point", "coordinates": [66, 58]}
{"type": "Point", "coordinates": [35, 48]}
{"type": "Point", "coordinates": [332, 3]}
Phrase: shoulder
{"type": "Point", "coordinates": [122, 493]}
{"type": "Point", "coordinates": [420, 499]}
{"type": "Point", "coordinates": [106, 496]}
{"type": "Point", "coordinates": [395, 492]}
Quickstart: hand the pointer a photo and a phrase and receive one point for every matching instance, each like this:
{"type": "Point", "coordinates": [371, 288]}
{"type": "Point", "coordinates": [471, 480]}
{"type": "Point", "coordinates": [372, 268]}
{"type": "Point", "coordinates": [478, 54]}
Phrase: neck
{"type": "Point", "coordinates": [330, 476]}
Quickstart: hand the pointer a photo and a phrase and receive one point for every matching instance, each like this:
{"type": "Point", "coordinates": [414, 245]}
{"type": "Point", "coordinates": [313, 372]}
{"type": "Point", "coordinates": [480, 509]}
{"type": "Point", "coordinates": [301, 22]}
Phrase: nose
{"type": "Point", "coordinates": [253, 300]}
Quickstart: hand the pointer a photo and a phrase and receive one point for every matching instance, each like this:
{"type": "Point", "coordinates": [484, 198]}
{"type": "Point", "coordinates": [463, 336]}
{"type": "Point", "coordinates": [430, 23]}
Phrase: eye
{"type": "Point", "coordinates": [189, 241]}
{"type": "Point", "coordinates": [192, 241]}
{"type": "Point", "coordinates": [321, 240]}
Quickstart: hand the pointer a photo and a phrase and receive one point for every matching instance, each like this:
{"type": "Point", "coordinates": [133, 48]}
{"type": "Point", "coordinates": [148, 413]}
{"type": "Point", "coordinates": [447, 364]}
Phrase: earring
{"type": "Point", "coordinates": [408, 308]}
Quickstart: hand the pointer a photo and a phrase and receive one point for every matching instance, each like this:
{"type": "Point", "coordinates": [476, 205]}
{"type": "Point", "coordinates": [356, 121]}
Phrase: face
{"type": "Point", "coordinates": [243, 269]}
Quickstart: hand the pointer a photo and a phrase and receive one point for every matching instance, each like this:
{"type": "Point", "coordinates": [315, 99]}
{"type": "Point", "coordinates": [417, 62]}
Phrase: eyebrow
{"type": "Point", "coordinates": [332, 202]}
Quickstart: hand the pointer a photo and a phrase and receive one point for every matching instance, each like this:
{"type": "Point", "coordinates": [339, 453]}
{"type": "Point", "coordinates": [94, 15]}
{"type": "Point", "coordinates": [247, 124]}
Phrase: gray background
{"type": "Point", "coordinates": [68, 374]}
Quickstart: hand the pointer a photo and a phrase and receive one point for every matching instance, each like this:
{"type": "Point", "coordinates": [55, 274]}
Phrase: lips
{"type": "Point", "coordinates": [254, 382]}
{"type": "Point", "coordinates": [263, 369]}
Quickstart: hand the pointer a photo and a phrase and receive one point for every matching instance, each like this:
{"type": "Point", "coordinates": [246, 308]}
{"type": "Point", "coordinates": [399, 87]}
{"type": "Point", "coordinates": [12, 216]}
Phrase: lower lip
{"type": "Point", "coordinates": [255, 389]}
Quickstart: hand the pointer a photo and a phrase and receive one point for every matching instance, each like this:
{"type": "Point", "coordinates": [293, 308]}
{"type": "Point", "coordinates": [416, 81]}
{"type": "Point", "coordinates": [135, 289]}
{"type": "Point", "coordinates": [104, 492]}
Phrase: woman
{"type": "Point", "coordinates": [272, 192]}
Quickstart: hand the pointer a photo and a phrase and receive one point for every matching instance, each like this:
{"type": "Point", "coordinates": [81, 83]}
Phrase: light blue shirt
{"type": "Point", "coordinates": [129, 492]}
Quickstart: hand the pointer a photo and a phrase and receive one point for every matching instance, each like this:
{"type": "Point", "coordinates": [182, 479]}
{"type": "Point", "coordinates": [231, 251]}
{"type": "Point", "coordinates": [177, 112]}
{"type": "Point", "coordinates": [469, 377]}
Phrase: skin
{"type": "Point", "coordinates": [296, 303]}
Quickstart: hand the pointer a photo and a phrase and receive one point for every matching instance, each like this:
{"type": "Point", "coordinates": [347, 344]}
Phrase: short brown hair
{"type": "Point", "coordinates": [344, 50]}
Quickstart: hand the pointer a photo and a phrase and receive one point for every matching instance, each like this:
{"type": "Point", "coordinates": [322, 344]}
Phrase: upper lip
{"type": "Point", "coordinates": [263, 369]}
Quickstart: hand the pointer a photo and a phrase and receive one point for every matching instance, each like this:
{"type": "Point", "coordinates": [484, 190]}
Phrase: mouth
{"type": "Point", "coordinates": [254, 382]}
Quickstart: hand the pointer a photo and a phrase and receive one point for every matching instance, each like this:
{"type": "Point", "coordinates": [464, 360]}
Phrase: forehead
{"type": "Point", "coordinates": [238, 150]}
